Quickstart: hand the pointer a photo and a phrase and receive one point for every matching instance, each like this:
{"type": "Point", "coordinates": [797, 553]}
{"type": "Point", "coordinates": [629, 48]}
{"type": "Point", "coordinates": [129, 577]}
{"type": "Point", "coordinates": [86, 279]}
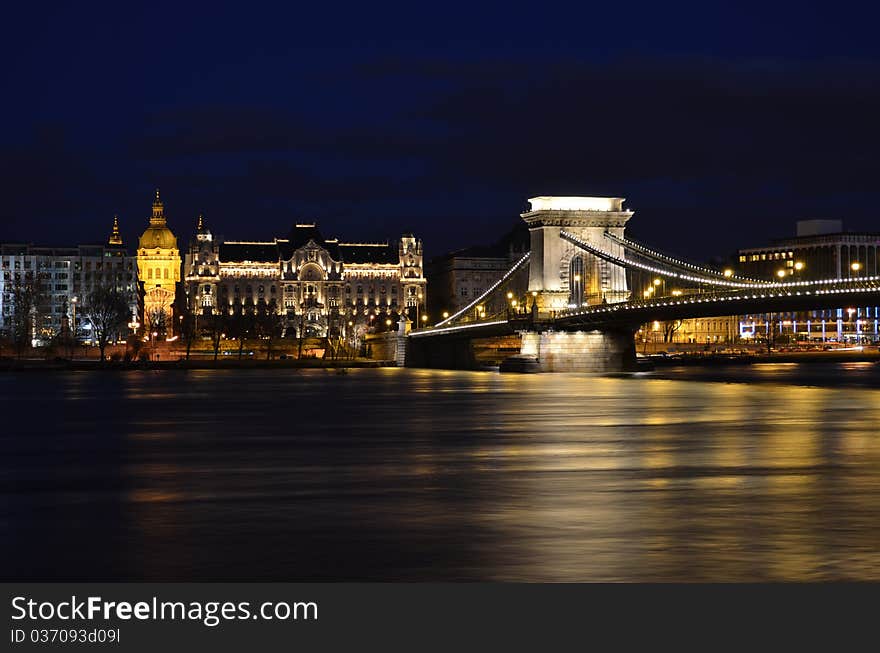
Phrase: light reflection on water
{"type": "Point", "coordinates": [436, 475]}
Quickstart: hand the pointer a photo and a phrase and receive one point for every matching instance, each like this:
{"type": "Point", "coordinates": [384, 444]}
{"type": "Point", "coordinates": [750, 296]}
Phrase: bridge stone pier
{"type": "Point", "coordinates": [563, 275]}
{"type": "Point", "coordinates": [581, 351]}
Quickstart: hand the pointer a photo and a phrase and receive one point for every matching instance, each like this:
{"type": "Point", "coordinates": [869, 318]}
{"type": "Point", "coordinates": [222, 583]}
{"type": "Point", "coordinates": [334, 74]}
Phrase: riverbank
{"type": "Point", "coordinates": [853, 356]}
{"type": "Point", "coordinates": [37, 365]}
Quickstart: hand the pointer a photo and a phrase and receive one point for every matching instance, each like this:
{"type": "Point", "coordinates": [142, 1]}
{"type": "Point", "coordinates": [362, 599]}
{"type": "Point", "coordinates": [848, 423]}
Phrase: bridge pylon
{"type": "Point", "coordinates": [563, 275]}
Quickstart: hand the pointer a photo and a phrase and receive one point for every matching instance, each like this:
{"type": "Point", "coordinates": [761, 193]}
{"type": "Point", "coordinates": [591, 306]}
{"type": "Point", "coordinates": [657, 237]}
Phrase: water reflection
{"type": "Point", "coordinates": [433, 475]}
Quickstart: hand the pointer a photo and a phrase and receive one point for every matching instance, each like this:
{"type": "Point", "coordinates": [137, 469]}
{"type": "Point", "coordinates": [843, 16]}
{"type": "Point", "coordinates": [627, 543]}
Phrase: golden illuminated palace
{"type": "Point", "coordinates": [320, 286]}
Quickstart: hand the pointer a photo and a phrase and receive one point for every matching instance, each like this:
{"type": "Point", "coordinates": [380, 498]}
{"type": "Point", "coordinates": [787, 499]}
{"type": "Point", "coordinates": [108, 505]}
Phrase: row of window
{"type": "Point", "coordinates": [769, 256]}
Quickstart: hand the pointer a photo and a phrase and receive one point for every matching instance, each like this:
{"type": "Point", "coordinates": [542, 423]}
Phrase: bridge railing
{"type": "Point", "coordinates": [721, 297]}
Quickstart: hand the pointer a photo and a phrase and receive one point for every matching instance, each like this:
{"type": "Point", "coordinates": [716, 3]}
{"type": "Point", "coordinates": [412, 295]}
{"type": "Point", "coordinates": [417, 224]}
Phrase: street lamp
{"type": "Point", "coordinates": [728, 272]}
{"type": "Point", "coordinates": [855, 267]}
{"type": "Point", "coordinates": [799, 266]}
{"type": "Point", "coordinates": [780, 273]}
{"type": "Point", "coordinates": [73, 301]}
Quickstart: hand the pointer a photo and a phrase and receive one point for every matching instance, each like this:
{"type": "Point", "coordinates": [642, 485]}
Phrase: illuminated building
{"type": "Point", "coordinates": [823, 249]}
{"type": "Point", "coordinates": [158, 261]}
{"type": "Point", "coordinates": [317, 285]}
{"type": "Point", "coordinates": [62, 278]}
{"type": "Point", "coordinates": [457, 278]}
{"type": "Point", "coordinates": [820, 250]}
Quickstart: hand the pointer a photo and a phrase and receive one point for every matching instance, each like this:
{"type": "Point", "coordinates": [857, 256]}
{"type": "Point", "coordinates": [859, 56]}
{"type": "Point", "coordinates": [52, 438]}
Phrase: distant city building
{"type": "Point", "coordinates": [158, 262]}
{"type": "Point", "coordinates": [820, 250]}
{"type": "Point", "coordinates": [320, 286]}
{"type": "Point", "coordinates": [457, 278]}
{"type": "Point", "coordinates": [62, 277]}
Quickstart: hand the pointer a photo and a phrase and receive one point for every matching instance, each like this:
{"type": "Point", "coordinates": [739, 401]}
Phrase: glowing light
{"type": "Point", "coordinates": [445, 314]}
{"type": "Point", "coordinates": [728, 273]}
{"type": "Point", "coordinates": [657, 282]}
{"type": "Point", "coordinates": [555, 203]}
{"type": "Point", "coordinates": [799, 266]}
{"type": "Point", "coordinates": [577, 278]}
{"type": "Point", "coordinates": [856, 266]}
{"type": "Point", "coordinates": [780, 273]}
{"type": "Point", "coordinates": [509, 295]}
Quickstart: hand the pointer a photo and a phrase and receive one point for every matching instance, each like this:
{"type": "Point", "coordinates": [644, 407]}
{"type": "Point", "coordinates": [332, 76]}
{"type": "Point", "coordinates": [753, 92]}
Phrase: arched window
{"type": "Point", "coordinates": [576, 280]}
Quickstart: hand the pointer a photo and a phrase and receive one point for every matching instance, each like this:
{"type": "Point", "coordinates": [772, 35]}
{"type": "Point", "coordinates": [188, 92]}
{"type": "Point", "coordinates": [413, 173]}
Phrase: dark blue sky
{"type": "Point", "coordinates": [721, 123]}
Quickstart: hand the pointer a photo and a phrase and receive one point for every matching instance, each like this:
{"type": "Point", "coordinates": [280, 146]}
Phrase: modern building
{"type": "Point", "coordinates": [61, 277]}
{"type": "Point", "coordinates": [820, 250]}
{"type": "Point", "coordinates": [457, 278]}
{"type": "Point", "coordinates": [319, 286]}
{"type": "Point", "coordinates": [158, 262]}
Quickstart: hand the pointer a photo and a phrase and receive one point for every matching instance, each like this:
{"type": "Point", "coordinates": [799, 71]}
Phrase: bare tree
{"type": "Point", "coordinates": [156, 321]}
{"type": "Point", "coordinates": [669, 329]}
{"type": "Point", "coordinates": [25, 302]}
{"type": "Point", "coordinates": [107, 310]}
{"type": "Point", "coordinates": [268, 324]}
{"type": "Point", "coordinates": [214, 327]}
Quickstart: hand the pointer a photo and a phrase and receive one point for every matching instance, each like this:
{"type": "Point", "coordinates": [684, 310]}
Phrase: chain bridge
{"type": "Point", "coordinates": [569, 303]}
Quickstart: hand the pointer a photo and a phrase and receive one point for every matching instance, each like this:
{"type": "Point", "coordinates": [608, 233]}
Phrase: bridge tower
{"type": "Point", "coordinates": [562, 274]}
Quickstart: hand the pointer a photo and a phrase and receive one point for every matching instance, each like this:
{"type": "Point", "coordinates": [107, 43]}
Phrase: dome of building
{"type": "Point", "coordinates": [157, 235]}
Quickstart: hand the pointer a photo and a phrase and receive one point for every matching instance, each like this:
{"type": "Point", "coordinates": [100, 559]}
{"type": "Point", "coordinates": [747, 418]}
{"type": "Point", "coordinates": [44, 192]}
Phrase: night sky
{"type": "Point", "coordinates": [721, 122]}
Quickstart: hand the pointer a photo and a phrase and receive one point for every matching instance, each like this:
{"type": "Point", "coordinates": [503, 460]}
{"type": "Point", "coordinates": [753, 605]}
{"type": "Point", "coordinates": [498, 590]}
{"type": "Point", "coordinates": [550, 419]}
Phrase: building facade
{"type": "Point", "coordinates": [820, 250]}
{"type": "Point", "coordinates": [61, 278]}
{"type": "Point", "coordinates": [320, 287]}
{"type": "Point", "coordinates": [457, 278]}
{"type": "Point", "coordinates": [158, 263]}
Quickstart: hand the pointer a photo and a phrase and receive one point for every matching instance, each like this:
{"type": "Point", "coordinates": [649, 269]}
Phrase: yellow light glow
{"type": "Point", "coordinates": [780, 273]}
{"type": "Point", "coordinates": [509, 295]}
{"type": "Point", "coordinates": [799, 266]}
{"type": "Point", "coordinates": [424, 318]}
{"type": "Point", "coordinates": [676, 292]}
{"type": "Point", "coordinates": [856, 266]}
{"type": "Point", "coordinates": [556, 203]}
{"type": "Point", "coordinates": [657, 282]}
{"type": "Point", "coordinates": [445, 314]}
{"type": "Point", "coordinates": [387, 322]}
{"type": "Point", "coordinates": [728, 272]}
{"type": "Point", "coordinates": [577, 278]}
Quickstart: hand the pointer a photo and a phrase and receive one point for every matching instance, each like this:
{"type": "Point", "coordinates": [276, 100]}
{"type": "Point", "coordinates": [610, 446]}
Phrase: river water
{"type": "Point", "coordinates": [739, 474]}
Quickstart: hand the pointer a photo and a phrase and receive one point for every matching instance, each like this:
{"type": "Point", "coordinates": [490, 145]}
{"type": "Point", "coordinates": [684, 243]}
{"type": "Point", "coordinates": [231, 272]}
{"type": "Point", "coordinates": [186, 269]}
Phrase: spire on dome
{"type": "Point", "coordinates": [158, 217]}
{"type": "Point", "coordinates": [115, 237]}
